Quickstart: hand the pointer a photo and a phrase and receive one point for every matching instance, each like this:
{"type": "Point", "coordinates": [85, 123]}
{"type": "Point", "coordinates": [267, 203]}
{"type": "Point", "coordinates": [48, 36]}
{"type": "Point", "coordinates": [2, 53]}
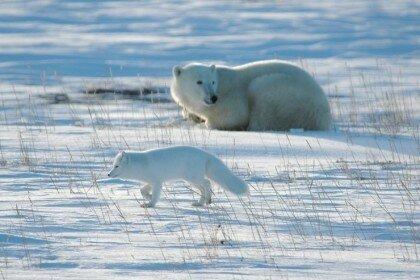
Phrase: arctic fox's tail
{"type": "Point", "coordinates": [217, 171]}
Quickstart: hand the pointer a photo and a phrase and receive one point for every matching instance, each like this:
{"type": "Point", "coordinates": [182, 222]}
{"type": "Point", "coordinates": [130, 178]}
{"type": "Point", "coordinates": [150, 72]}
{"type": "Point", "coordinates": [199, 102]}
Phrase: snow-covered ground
{"type": "Point", "coordinates": [323, 205]}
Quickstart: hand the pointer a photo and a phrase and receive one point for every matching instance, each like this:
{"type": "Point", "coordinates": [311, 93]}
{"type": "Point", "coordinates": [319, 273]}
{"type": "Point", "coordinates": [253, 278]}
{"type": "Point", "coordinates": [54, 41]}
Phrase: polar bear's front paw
{"type": "Point", "coordinates": [210, 125]}
{"type": "Point", "coordinates": [195, 118]}
{"type": "Point", "coordinates": [147, 205]}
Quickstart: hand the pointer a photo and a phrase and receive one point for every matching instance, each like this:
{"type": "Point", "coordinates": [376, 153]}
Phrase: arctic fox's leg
{"type": "Point", "coordinates": [146, 192]}
{"type": "Point", "coordinates": [156, 191]}
{"type": "Point", "coordinates": [205, 187]}
{"type": "Point", "coordinates": [207, 194]}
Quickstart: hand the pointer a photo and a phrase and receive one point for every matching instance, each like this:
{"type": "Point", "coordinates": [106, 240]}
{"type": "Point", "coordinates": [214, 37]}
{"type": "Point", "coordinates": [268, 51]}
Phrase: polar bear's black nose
{"type": "Point", "coordinates": [213, 99]}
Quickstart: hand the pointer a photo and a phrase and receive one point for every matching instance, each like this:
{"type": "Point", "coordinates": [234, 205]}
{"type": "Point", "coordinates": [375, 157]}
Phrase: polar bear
{"type": "Point", "coordinates": [263, 95]}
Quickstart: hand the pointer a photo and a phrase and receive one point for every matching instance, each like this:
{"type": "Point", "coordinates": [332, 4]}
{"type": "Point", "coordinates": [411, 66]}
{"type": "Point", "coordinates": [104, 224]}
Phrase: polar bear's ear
{"type": "Point", "coordinates": [212, 67]}
{"type": "Point", "coordinates": [176, 70]}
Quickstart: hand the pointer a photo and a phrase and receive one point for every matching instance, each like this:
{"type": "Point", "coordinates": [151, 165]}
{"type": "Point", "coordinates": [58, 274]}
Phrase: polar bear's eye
{"type": "Point", "coordinates": [199, 82]}
{"type": "Point", "coordinates": [212, 83]}
{"type": "Point", "coordinates": [116, 166]}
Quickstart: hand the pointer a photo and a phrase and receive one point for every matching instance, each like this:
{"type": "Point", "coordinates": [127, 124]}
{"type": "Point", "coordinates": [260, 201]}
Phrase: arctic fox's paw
{"type": "Point", "coordinates": [147, 196]}
{"type": "Point", "coordinates": [145, 192]}
{"type": "Point", "coordinates": [198, 204]}
{"type": "Point", "coordinates": [147, 205]}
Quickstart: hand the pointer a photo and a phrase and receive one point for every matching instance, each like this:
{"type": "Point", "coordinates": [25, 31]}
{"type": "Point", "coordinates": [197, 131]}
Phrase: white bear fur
{"type": "Point", "coordinates": [263, 95]}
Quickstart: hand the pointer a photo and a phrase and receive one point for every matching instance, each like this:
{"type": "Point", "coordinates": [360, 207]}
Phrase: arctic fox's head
{"type": "Point", "coordinates": [198, 80]}
{"type": "Point", "coordinates": [118, 168]}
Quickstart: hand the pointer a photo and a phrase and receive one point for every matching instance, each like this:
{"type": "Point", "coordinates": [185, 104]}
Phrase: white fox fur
{"type": "Point", "coordinates": [175, 163]}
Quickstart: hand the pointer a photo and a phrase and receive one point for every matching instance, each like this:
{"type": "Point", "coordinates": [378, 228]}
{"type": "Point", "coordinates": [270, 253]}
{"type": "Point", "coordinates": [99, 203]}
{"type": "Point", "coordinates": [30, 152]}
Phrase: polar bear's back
{"type": "Point", "coordinates": [259, 68]}
{"type": "Point", "coordinates": [284, 96]}
{"type": "Point", "coordinates": [282, 102]}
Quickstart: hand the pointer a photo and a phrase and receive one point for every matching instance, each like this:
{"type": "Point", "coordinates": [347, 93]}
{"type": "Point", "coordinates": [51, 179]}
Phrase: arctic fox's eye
{"type": "Point", "coordinates": [199, 82]}
{"type": "Point", "coordinates": [116, 166]}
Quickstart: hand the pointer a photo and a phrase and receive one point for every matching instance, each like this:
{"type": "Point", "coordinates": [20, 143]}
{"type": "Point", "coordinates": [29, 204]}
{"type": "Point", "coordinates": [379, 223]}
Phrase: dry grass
{"type": "Point", "coordinates": [297, 209]}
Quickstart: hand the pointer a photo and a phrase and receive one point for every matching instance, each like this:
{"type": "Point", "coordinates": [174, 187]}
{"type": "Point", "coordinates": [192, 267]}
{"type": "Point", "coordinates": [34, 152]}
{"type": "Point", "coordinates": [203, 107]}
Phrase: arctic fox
{"type": "Point", "coordinates": [175, 163]}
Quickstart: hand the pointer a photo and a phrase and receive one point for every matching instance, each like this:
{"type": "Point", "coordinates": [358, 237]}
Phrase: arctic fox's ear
{"type": "Point", "coordinates": [212, 67]}
{"type": "Point", "coordinates": [176, 70]}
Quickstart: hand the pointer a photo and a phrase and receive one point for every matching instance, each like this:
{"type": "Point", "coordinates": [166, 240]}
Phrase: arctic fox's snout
{"type": "Point", "coordinates": [115, 172]}
{"type": "Point", "coordinates": [111, 172]}
{"type": "Point", "coordinates": [120, 159]}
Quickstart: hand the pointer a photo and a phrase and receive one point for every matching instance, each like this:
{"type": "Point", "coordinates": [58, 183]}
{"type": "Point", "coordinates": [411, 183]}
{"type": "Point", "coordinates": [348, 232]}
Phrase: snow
{"type": "Point", "coordinates": [342, 203]}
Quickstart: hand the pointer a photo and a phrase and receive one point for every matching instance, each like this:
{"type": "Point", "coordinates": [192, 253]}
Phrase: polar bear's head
{"type": "Point", "coordinates": [199, 82]}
